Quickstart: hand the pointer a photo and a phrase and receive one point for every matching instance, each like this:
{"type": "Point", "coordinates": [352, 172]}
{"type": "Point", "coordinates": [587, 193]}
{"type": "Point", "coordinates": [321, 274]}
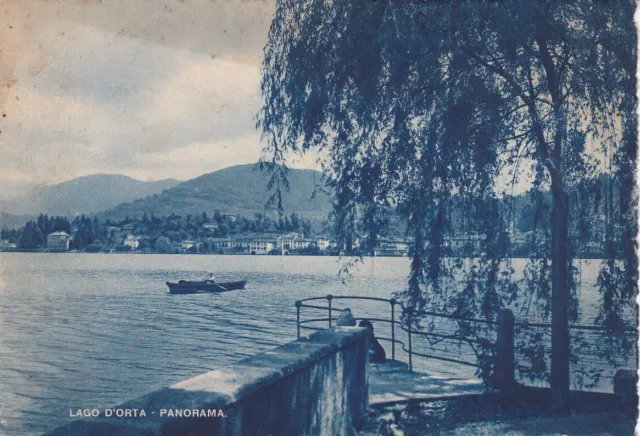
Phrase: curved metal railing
{"type": "Point", "coordinates": [329, 307]}
{"type": "Point", "coordinates": [406, 327]}
{"type": "Point", "coordinates": [303, 324]}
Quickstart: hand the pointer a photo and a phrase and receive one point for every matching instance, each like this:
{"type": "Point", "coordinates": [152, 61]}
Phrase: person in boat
{"type": "Point", "coordinates": [210, 279]}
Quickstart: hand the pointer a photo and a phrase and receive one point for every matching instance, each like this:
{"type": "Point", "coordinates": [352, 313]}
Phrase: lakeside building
{"type": "Point", "coordinates": [325, 243]}
{"type": "Point", "coordinates": [187, 245]}
{"type": "Point", "coordinates": [301, 243]}
{"type": "Point", "coordinates": [236, 244]}
{"type": "Point", "coordinates": [220, 243]}
{"type": "Point", "coordinates": [285, 242]}
{"type": "Point", "coordinates": [295, 241]}
{"type": "Point", "coordinates": [391, 247]}
{"type": "Point", "coordinates": [241, 243]}
{"type": "Point", "coordinates": [58, 241]}
{"type": "Point", "coordinates": [261, 246]}
{"type": "Point", "coordinates": [7, 245]}
{"type": "Point", "coordinates": [132, 242]}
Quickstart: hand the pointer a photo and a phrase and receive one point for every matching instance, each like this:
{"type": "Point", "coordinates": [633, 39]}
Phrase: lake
{"type": "Point", "coordinates": [95, 330]}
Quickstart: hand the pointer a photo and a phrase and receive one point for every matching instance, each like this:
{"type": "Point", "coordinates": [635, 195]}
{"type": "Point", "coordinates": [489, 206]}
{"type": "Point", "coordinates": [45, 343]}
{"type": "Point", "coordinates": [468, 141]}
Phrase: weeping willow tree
{"type": "Point", "coordinates": [427, 107]}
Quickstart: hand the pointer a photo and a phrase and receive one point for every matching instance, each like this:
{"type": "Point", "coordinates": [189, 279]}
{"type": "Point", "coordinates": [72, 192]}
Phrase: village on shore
{"type": "Point", "coordinates": [263, 244]}
{"type": "Point", "coordinates": [220, 234]}
{"type": "Point", "coordinates": [224, 233]}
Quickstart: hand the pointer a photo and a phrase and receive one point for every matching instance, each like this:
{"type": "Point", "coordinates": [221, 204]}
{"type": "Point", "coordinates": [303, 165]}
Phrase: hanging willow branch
{"type": "Point", "coordinates": [422, 107]}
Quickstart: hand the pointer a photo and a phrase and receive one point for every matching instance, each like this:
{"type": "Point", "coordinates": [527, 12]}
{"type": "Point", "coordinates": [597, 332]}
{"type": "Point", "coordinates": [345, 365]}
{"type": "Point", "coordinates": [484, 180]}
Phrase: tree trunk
{"type": "Point", "coordinates": [560, 291]}
{"type": "Point", "coordinates": [560, 294]}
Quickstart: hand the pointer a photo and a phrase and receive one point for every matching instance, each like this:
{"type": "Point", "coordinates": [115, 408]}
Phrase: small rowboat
{"type": "Point", "coordinates": [186, 287]}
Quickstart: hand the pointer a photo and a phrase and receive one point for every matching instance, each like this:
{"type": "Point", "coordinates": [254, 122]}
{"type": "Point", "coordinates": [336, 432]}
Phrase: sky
{"type": "Point", "coordinates": [148, 88]}
{"type": "Point", "coordinates": [152, 89]}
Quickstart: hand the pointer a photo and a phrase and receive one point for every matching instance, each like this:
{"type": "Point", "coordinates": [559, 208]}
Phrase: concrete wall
{"type": "Point", "coordinates": [313, 386]}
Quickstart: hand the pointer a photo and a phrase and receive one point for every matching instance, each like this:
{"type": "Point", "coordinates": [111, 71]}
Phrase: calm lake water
{"type": "Point", "coordinates": [95, 330]}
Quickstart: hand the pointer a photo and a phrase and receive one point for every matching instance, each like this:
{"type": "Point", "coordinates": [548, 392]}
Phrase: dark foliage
{"type": "Point", "coordinates": [415, 103]}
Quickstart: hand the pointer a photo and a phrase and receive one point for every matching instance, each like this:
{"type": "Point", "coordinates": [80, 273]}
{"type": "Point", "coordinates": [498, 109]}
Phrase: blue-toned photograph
{"type": "Point", "coordinates": [318, 217]}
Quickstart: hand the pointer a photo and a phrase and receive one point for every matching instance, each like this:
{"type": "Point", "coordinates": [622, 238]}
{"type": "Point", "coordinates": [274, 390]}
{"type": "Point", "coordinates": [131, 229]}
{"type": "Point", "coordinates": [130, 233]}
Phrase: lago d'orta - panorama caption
{"type": "Point", "coordinates": [312, 217]}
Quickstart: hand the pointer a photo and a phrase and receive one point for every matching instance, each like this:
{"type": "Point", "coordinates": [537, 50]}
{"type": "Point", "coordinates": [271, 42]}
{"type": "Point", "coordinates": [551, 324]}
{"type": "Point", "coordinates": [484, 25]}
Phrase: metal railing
{"type": "Point", "coordinates": [411, 313]}
{"type": "Point", "coordinates": [504, 351]}
{"type": "Point", "coordinates": [406, 327]}
{"type": "Point", "coordinates": [594, 328]}
{"type": "Point", "coordinates": [329, 298]}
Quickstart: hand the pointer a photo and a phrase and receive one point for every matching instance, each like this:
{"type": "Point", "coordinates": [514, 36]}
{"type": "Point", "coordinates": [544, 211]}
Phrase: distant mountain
{"type": "Point", "coordinates": [14, 188]}
{"type": "Point", "coordinates": [240, 190]}
{"type": "Point", "coordinates": [9, 221]}
{"type": "Point", "coordinates": [83, 195]}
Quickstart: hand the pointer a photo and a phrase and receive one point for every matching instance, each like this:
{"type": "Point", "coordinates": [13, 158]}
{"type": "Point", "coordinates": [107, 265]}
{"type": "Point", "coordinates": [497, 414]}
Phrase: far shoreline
{"type": "Point", "coordinates": [354, 255]}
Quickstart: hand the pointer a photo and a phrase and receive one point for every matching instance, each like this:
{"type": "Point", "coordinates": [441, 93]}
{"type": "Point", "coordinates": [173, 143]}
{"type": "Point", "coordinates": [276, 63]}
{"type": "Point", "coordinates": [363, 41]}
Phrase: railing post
{"type": "Point", "coordinates": [393, 329]}
{"type": "Point", "coordinates": [624, 387]}
{"type": "Point", "coordinates": [329, 298]}
{"type": "Point", "coordinates": [298, 304]}
{"type": "Point", "coordinates": [505, 351]}
{"type": "Point", "coordinates": [409, 321]}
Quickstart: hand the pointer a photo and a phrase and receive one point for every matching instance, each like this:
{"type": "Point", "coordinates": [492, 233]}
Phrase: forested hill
{"type": "Point", "coordinates": [240, 190]}
{"type": "Point", "coordinates": [10, 221]}
{"type": "Point", "coordinates": [83, 195]}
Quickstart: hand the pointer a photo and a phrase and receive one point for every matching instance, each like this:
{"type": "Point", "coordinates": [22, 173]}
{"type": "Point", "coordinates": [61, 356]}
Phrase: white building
{"type": "Point", "coordinates": [220, 242]}
{"type": "Point", "coordinates": [230, 244]}
{"type": "Point", "coordinates": [286, 241]}
{"type": "Point", "coordinates": [294, 241]}
{"type": "Point", "coordinates": [6, 245]}
{"type": "Point", "coordinates": [261, 246]}
{"type": "Point", "coordinates": [132, 242]}
{"type": "Point", "coordinates": [186, 245]}
{"type": "Point", "coordinates": [58, 241]}
{"type": "Point", "coordinates": [299, 243]}
{"type": "Point", "coordinates": [241, 243]}
{"type": "Point", "coordinates": [325, 243]}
